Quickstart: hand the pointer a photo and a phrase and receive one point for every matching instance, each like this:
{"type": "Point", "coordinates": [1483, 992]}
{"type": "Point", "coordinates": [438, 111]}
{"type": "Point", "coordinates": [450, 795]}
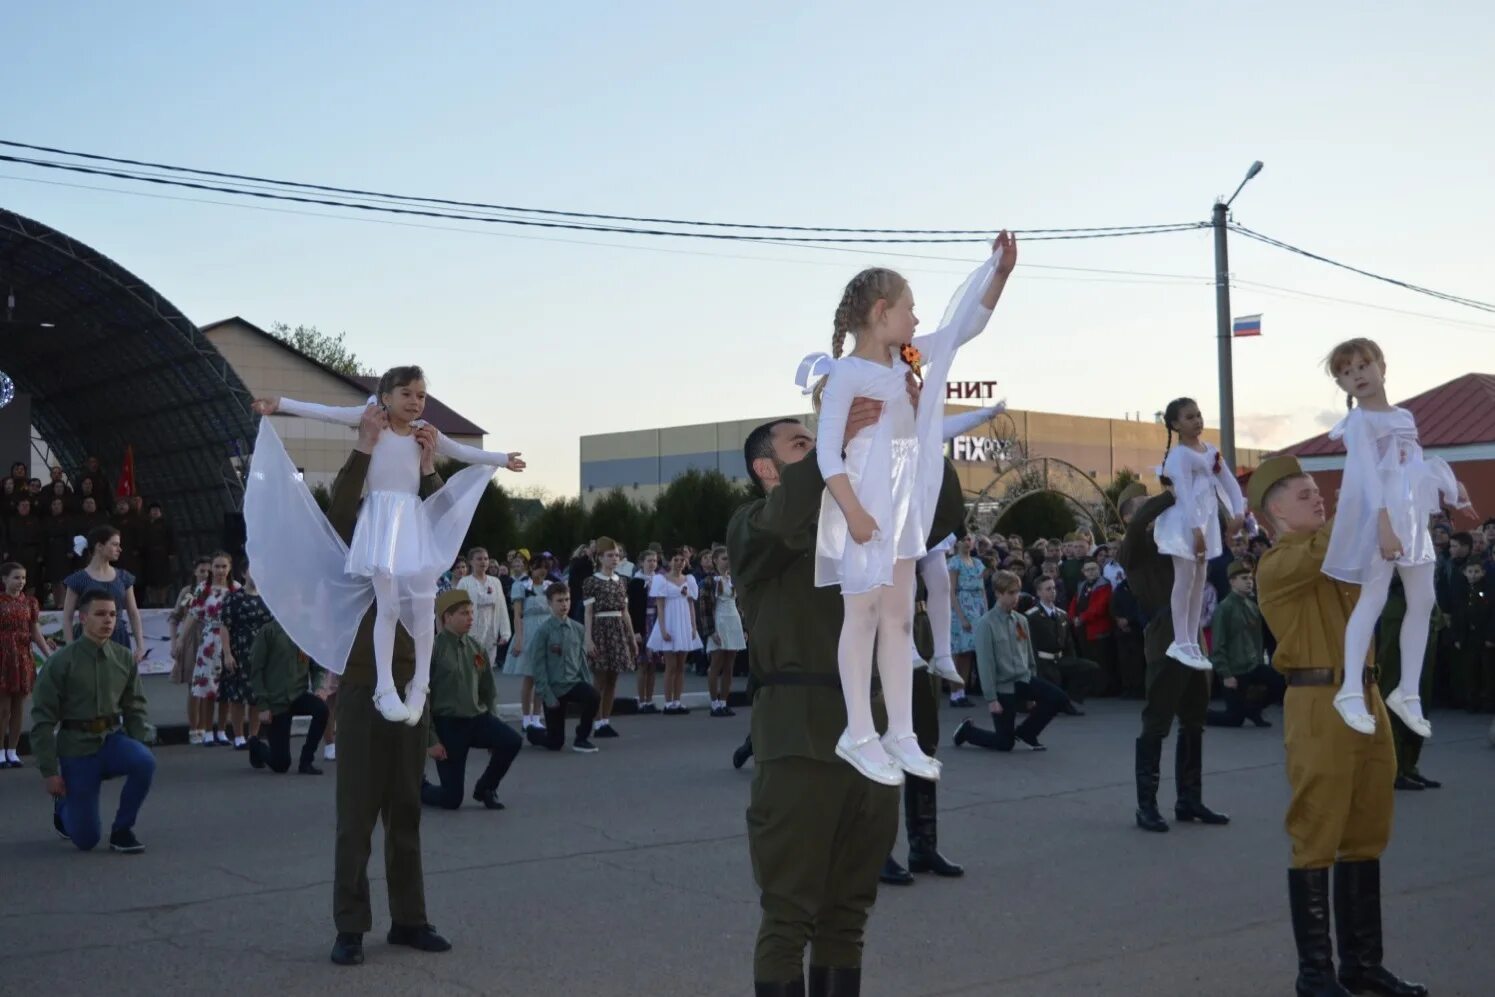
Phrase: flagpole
{"type": "Point", "coordinates": [1222, 323]}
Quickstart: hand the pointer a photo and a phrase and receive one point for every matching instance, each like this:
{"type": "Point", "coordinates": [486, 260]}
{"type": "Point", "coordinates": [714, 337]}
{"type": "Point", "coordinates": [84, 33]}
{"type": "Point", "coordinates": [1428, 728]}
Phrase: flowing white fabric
{"type": "Point", "coordinates": [1384, 468]}
{"type": "Point", "coordinates": [1200, 482]}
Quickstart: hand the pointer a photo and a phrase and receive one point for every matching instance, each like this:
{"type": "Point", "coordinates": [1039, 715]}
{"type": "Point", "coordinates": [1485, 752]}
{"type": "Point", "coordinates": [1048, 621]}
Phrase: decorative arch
{"type": "Point", "coordinates": [109, 363]}
{"type": "Point", "coordinates": [1024, 477]}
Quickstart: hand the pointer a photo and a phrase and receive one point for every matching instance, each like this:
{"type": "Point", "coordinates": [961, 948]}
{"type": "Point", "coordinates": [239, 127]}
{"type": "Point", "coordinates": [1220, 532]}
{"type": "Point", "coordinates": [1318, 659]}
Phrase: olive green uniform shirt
{"type": "Point", "coordinates": [277, 669]}
{"type": "Point", "coordinates": [461, 677]}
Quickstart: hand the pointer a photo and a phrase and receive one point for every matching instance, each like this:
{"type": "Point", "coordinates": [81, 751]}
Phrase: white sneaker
{"type": "Point", "coordinates": [389, 706]}
{"type": "Point", "coordinates": [415, 703]}
{"type": "Point", "coordinates": [868, 757]}
{"type": "Point", "coordinates": [194, 737]}
{"type": "Point", "coordinates": [207, 739]}
{"type": "Point", "coordinates": [220, 738]}
{"type": "Point", "coordinates": [330, 752]}
{"type": "Point", "coordinates": [239, 742]}
{"type": "Point", "coordinates": [1351, 707]}
{"type": "Point", "coordinates": [1409, 709]}
{"type": "Point", "coordinates": [905, 753]}
{"type": "Point", "coordinates": [945, 669]}
{"type": "Point", "coordinates": [1184, 655]}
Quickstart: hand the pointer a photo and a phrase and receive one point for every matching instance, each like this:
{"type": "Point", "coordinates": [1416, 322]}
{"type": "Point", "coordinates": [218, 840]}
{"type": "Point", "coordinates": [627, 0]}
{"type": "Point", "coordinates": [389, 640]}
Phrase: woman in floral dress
{"type": "Point", "coordinates": [244, 614]}
{"type": "Point", "coordinates": [968, 583]}
{"type": "Point", "coordinates": [20, 628]}
{"type": "Point", "coordinates": [185, 635]}
{"type": "Point", "coordinates": [610, 643]}
{"type": "Point", "coordinates": [207, 609]}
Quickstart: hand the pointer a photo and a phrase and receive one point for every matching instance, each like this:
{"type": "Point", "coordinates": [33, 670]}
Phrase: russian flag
{"type": "Point", "coordinates": [1247, 325]}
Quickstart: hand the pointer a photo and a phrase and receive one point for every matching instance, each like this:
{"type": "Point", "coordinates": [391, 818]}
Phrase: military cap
{"type": "Point", "coordinates": [1271, 471]}
{"type": "Point", "coordinates": [1237, 568]}
{"type": "Point", "coordinates": [450, 600]}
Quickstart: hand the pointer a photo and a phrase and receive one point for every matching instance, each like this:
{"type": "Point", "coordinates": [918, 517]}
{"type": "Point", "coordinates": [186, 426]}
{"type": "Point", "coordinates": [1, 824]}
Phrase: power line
{"type": "Point", "coordinates": [1276, 291]}
{"type": "Point", "coordinates": [97, 157]}
{"type": "Point", "coordinates": [1440, 295]}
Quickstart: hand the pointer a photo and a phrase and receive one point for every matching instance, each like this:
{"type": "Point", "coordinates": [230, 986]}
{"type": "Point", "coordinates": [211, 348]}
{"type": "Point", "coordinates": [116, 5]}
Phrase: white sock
{"type": "Point", "coordinates": [11, 755]}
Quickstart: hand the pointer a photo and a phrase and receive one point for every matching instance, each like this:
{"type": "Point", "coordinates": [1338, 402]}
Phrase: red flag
{"type": "Point", "coordinates": [127, 475]}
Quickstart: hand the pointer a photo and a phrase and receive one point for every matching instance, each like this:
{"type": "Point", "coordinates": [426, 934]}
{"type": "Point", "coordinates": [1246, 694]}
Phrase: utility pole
{"type": "Point", "coordinates": [1222, 333]}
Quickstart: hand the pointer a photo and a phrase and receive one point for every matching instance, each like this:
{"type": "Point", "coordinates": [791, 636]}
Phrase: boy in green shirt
{"type": "Point", "coordinates": [463, 698]}
{"type": "Point", "coordinates": [556, 654]}
{"type": "Point", "coordinates": [278, 674]}
{"type": "Point", "coordinates": [1238, 654]}
{"type": "Point", "coordinates": [81, 694]}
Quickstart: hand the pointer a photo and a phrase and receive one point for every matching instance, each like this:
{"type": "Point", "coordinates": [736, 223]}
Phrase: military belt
{"type": "Point", "coordinates": [98, 725]}
{"type": "Point", "coordinates": [824, 680]}
{"type": "Point", "coordinates": [1323, 676]}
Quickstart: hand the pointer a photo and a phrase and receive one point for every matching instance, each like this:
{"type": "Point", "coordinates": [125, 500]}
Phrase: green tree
{"type": "Point", "coordinates": [559, 528]}
{"type": "Point", "coordinates": [323, 347]}
{"type": "Point", "coordinates": [694, 509]}
{"type": "Point", "coordinates": [620, 517]}
{"type": "Point", "coordinates": [321, 496]}
{"type": "Point", "coordinates": [1109, 514]}
{"type": "Point", "coordinates": [1037, 514]}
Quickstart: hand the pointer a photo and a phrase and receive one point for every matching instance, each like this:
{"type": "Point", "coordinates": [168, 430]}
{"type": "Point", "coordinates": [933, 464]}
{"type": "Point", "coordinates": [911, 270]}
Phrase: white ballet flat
{"type": "Point", "coordinates": [1361, 722]}
{"type": "Point", "coordinates": [415, 704]}
{"type": "Point", "coordinates": [906, 753]}
{"type": "Point", "coordinates": [1409, 709]}
{"type": "Point", "coordinates": [945, 669]}
{"type": "Point", "coordinates": [1184, 656]}
{"type": "Point", "coordinates": [1201, 660]}
{"type": "Point", "coordinates": [387, 702]}
{"type": "Point", "coordinates": [884, 770]}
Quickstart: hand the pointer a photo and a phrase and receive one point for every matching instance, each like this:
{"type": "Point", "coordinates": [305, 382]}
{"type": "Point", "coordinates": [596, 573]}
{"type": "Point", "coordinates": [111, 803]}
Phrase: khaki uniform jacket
{"type": "Point", "coordinates": [85, 681]}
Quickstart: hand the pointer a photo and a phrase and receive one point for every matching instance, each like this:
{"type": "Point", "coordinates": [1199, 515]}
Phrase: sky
{"type": "Point", "coordinates": [1372, 123]}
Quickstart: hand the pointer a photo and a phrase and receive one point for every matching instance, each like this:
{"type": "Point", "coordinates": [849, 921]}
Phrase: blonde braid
{"type": "Point", "coordinates": [841, 326]}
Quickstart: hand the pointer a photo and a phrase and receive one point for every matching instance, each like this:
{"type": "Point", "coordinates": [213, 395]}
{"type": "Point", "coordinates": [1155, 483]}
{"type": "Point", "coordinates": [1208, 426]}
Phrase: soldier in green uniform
{"type": "Point", "coordinates": [920, 811]}
{"type": "Point", "coordinates": [463, 698]}
{"type": "Point", "coordinates": [380, 763]}
{"type": "Point", "coordinates": [81, 695]}
{"type": "Point", "coordinates": [1408, 743]}
{"type": "Point", "coordinates": [1473, 648]}
{"type": "Point", "coordinates": [1173, 689]}
{"type": "Point", "coordinates": [1340, 814]}
{"type": "Point", "coordinates": [818, 831]}
{"type": "Point", "coordinates": [1239, 654]}
{"type": "Point", "coordinates": [278, 674]}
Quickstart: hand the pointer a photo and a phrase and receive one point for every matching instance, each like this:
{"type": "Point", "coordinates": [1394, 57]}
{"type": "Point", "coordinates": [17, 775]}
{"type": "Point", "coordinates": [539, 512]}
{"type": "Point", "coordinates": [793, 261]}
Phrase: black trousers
{"type": "Point", "coordinates": [1174, 690]}
{"type": "Point", "coordinates": [1237, 705]}
{"type": "Point", "coordinates": [274, 745]}
{"type": "Point", "coordinates": [553, 736]}
{"type": "Point", "coordinates": [1048, 699]}
{"type": "Point", "coordinates": [459, 735]}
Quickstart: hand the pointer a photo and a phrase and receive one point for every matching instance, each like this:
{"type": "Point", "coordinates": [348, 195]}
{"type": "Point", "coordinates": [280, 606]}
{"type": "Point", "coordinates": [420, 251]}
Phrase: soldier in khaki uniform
{"type": "Point", "coordinates": [379, 763]}
{"type": "Point", "coordinates": [818, 832]}
{"type": "Point", "coordinates": [1340, 814]}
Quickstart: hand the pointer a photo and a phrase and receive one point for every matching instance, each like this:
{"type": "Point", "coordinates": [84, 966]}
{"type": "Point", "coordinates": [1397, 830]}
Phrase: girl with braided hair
{"type": "Point", "coordinates": [881, 490]}
{"type": "Point", "coordinates": [1189, 530]}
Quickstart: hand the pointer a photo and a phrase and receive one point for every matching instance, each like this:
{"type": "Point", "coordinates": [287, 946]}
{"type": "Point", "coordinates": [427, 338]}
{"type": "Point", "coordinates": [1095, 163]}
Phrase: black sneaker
{"type": "Point", "coordinates": [648, 708]}
{"type": "Point", "coordinates": [742, 754]}
{"type": "Point", "coordinates": [606, 730]}
{"type": "Point", "coordinates": [960, 733]}
{"type": "Point", "coordinates": [257, 753]}
{"type": "Point", "coordinates": [584, 747]}
{"type": "Point", "coordinates": [423, 937]}
{"type": "Point", "coordinates": [1031, 742]}
{"type": "Point", "coordinates": [58, 826]}
{"type": "Point", "coordinates": [307, 768]}
{"type": "Point", "coordinates": [348, 949]}
{"type": "Point", "coordinates": [123, 839]}
{"type": "Point", "coordinates": [727, 711]}
{"type": "Point", "coordinates": [488, 798]}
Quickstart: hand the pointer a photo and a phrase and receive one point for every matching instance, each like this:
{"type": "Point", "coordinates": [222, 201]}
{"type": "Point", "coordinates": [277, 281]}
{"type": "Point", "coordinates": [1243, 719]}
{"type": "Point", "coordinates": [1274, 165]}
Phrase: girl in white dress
{"type": "Point", "coordinates": [1189, 530]}
{"type": "Point", "coordinates": [490, 617]}
{"type": "Point", "coordinates": [401, 544]}
{"type": "Point", "coordinates": [880, 495]}
{"type": "Point", "coordinates": [728, 638]}
{"type": "Point", "coordinates": [1389, 492]}
{"type": "Point", "coordinates": [674, 593]}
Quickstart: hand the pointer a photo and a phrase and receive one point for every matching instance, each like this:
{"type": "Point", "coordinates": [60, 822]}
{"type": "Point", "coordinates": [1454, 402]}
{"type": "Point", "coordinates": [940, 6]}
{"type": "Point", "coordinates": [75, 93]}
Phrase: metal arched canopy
{"type": "Point", "coordinates": [110, 363]}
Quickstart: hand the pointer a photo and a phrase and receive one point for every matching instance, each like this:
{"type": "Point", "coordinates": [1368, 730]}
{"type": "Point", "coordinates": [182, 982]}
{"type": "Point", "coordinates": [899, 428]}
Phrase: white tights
{"type": "Point", "coordinates": [388, 593]}
{"type": "Point", "coordinates": [884, 615]}
{"type": "Point", "coordinates": [1417, 582]}
{"type": "Point", "coordinates": [1188, 599]}
{"type": "Point", "coordinates": [935, 570]}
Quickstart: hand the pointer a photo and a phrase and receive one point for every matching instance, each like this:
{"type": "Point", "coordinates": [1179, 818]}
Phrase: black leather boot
{"type": "Point", "coordinates": [794, 988]}
{"type": "Point", "coordinates": [1308, 894]}
{"type": "Point", "coordinates": [1357, 923]}
{"type": "Point", "coordinates": [921, 821]}
{"type": "Point", "coordinates": [828, 982]}
{"type": "Point", "coordinates": [1149, 763]}
{"type": "Point", "coordinates": [894, 874]}
{"type": "Point", "coordinates": [1189, 780]}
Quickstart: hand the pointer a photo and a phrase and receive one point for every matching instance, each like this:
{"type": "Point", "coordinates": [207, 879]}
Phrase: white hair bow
{"type": "Point", "coordinates": [80, 544]}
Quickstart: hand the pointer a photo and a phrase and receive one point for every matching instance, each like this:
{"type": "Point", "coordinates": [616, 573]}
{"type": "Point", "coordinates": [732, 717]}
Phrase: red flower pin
{"type": "Point", "coordinates": [915, 360]}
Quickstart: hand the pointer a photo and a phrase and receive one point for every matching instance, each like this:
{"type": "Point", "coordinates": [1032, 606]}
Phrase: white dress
{"type": "Point", "coordinates": [1384, 467]}
{"type": "Point", "coordinates": [728, 636]}
{"type": "Point", "coordinates": [897, 468]}
{"type": "Point", "coordinates": [489, 617]}
{"type": "Point", "coordinates": [1200, 482]}
{"type": "Point", "coordinates": [319, 587]}
{"type": "Point", "coordinates": [678, 617]}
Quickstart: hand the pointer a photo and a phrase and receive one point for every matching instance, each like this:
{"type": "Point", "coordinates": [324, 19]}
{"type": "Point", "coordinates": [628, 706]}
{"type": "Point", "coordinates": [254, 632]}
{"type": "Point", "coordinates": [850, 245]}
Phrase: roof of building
{"type": "Point", "coordinates": [109, 363]}
{"type": "Point", "coordinates": [1456, 413]}
{"type": "Point", "coordinates": [443, 417]}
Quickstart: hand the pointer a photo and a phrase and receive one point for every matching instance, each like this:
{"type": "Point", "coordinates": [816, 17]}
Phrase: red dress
{"type": "Point", "coordinates": [18, 615]}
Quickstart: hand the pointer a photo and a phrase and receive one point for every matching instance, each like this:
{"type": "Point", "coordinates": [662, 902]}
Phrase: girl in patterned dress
{"type": "Point", "coordinates": [207, 609]}
{"type": "Point", "coordinates": [968, 582]}
{"type": "Point", "coordinates": [244, 615]}
{"type": "Point", "coordinates": [727, 638]}
{"type": "Point", "coordinates": [20, 629]}
{"type": "Point", "coordinates": [531, 609]}
{"type": "Point", "coordinates": [642, 613]}
{"type": "Point", "coordinates": [609, 629]}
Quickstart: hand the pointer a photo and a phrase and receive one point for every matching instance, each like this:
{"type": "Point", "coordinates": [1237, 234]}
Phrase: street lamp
{"type": "Point", "coordinates": [1222, 321]}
